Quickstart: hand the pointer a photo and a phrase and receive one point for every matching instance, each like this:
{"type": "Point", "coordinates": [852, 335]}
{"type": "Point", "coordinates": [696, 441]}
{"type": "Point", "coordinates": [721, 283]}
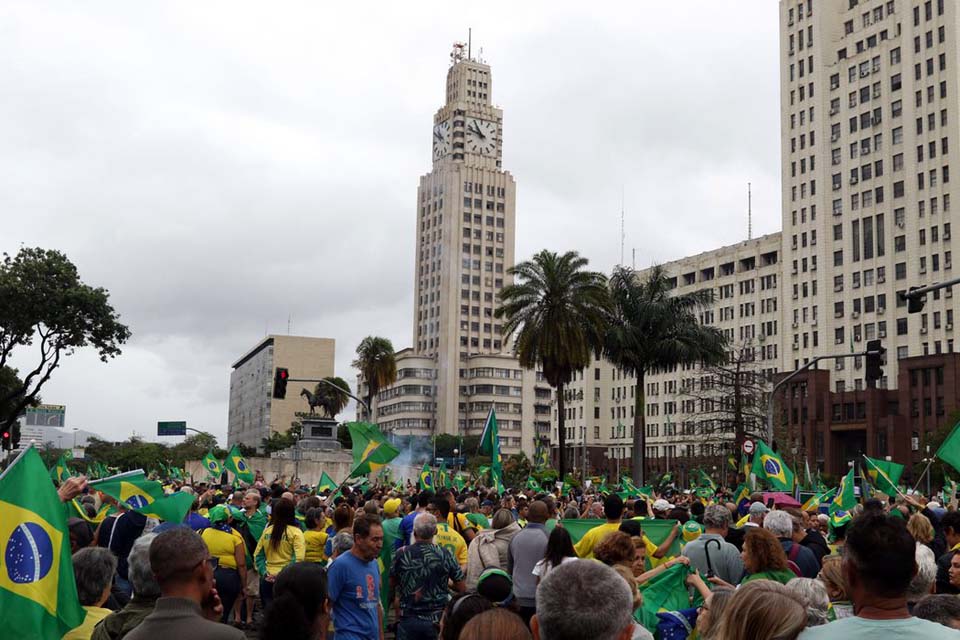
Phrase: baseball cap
{"type": "Point", "coordinates": [496, 586]}
{"type": "Point", "coordinates": [691, 530]}
{"type": "Point", "coordinates": [757, 508]}
{"type": "Point", "coordinates": [661, 505]}
{"type": "Point", "coordinates": [486, 503]}
{"type": "Point", "coordinates": [391, 506]}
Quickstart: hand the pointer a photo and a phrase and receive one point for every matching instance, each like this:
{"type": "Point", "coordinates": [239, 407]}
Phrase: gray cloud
{"type": "Point", "coordinates": [222, 168]}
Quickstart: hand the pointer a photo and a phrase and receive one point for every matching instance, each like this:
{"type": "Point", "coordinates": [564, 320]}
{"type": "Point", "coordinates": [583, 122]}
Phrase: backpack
{"type": "Point", "coordinates": [791, 560]}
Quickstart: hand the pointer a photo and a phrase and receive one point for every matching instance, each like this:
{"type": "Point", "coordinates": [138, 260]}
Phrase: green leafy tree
{"type": "Point", "coordinates": [516, 470]}
{"type": "Point", "coordinates": [556, 311]}
{"type": "Point", "coordinates": [377, 363]}
{"type": "Point", "coordinates": [650, 328]}
{"type": "Point", "coordinates": [45, 305]}
{"type": "Point", "coordinates": [344, 437]}
{"type": "Point", "coordinates": [279, 441]}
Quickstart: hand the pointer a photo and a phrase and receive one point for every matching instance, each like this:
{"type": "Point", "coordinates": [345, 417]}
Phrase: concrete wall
{"type": "Point", "coordinates": [336, 464]}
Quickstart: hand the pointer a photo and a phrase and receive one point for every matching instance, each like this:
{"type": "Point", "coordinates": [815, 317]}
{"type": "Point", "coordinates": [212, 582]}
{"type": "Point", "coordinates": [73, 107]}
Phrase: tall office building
{"type": "Point", "coordinates": [869, 117]}
{"type": "Point", "coordinates": [457, 368]}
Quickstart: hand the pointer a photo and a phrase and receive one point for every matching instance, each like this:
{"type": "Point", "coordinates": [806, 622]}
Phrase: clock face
{"type": "Point", "coordinates": [441, 139]}
{"type": "Point", "coordinates": [481, 136]}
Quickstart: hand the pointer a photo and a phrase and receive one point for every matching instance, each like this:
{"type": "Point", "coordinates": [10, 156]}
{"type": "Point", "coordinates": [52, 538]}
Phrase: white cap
{"type": "Point", "coordinates": [933, 505]}
{"type": "Point", "coordinates": [661, 505]}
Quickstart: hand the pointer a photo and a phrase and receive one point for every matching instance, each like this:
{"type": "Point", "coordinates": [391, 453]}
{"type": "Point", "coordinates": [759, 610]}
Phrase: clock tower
{"type": "Point", "coordinates": [465, 235]}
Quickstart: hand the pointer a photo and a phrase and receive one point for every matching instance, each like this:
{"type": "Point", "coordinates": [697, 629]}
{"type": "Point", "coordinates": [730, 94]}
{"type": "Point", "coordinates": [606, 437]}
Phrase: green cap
{"type": "Point", "coordinates": [218, 513]}
{"type": "Point", "coordinates": [691, 530]}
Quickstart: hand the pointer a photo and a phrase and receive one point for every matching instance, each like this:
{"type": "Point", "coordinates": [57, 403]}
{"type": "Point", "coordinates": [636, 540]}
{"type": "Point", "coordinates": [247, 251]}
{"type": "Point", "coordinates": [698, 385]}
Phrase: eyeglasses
{"type": "Point", "coordinates": [214, 563]}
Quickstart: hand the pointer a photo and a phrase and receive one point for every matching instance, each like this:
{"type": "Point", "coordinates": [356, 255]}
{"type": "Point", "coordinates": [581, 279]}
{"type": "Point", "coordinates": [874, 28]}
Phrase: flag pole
{"type": "Point", "coordinates": [920, 479]}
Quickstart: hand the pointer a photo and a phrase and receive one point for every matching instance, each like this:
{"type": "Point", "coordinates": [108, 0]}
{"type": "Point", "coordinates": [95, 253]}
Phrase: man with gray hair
{"type": "Point", "coordinates": [93, 569]}
{"type": "Point", "coordinates": [419, 578]}
{"type": "Point", "coordinates": [942, 608]}
{"type": "Point", "coordinates": [583, 599]}
{"type": "Point", "coordinates": [145, 593]}
{"type": "Point", "coordinates": [782, 525]}
{"type": "Point", "coordinates": [923, 580]}
{"type": "Point", "coordinates": [725, 559]}
{"type": "Point", "coordinates": [188, 603]}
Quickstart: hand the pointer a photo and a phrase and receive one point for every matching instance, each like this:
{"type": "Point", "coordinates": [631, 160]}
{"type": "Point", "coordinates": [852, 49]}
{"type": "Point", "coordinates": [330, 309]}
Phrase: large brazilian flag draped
{"type": "Point", "coordinates": [236, 463]}
{"type": "Point", "coordinates": [38, 594]}
{"type": "Point", "coordinates": [371, 451]}
{"type": "Point", "coordinates": [656, 530]}
{"type": "Point", "coordinates": [131, 488]}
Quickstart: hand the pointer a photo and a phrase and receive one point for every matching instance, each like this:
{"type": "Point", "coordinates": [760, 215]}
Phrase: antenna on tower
{"type": "Point", "coordinates": [469, 43]}
{"type": "Point", "coordinates": [289, 322]}
{"type": "Point", "coordinates": [749, 213]}
{"type": "Point", "coordinates": [633, 265]}
{"type": "Point", "coordinates": [623, 234]}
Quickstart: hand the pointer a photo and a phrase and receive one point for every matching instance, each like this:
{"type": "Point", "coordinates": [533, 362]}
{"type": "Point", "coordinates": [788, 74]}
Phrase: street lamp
{"type": "Point", "coordinates": [75, 437]}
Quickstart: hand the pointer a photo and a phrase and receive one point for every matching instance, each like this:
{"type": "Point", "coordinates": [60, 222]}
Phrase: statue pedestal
{"type": "Point", "coordinates": [319, 433]}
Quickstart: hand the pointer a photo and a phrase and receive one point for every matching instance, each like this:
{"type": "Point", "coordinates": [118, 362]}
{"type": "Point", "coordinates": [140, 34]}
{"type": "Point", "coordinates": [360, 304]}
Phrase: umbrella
{"type": "Point", "coordinates": [781, 499]}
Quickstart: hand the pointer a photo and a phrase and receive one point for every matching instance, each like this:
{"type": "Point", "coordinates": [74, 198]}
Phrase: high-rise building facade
{"type": "Point", "coordinates": [869, 117]}
{"type": "Point", "coordinates": [254, 414]}
{"type": "Point", "coordinates": [459, 366]}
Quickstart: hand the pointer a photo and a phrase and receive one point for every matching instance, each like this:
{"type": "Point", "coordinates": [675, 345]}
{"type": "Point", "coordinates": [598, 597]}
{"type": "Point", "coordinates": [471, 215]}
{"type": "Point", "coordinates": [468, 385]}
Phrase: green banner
{"type": "Point", "coordinates": [656, 530]}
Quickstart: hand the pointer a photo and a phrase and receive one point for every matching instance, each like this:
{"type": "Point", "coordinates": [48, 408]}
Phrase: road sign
{"type": "Point", "coordinates": [46, 415]}
{"type": "Point", "coordinates": [748, 446]}
{"type": "Point", "coordinates": [171, 428]}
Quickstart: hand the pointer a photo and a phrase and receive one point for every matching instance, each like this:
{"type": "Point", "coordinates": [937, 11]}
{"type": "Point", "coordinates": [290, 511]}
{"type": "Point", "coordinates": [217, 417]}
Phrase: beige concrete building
{"type": "Point", "coordinates": [600, 402]}
{"type": "Point", "coordinates": [253, 413]}
{"type": "Point", "coordinates": [466, 219]}
{"type": "Point", "coordinates": [869, 125]}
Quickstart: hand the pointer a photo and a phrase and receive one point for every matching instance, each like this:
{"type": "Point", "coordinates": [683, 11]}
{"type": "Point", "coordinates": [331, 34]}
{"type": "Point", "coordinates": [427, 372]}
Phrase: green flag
{"type": "Point", "coordinates": [131, 488]}
{"type": "Point", "coordinates": [370, 449]}
{"type": "Point", "coordinates": [212, 465]}
{"type": "Point", "coordinates": [533, 484]}
{"type": "Point", "coordinates": [106, 509]}
{"type": "Point", "coordinates": [884, 475]}
{"type": "Point", "coordinates": [846, 498]}
{"type": "Point", "coordinates": [459, 482]}
{"type": "Point", "coordinates": [442, 478]}
{"type": "Point", "coordinates": [768, 466]}
{"type": "Point", "coordinates": [172, 508]}
{"type": "Point", "coordinates": [38, 593]}
{"type": "Point", "coordinates": [426, 478]}
{"type": "Point", "coordinates": [60, 471]}
{"type": "Point", "coordinates": [705, 480]}
{"type": "Point", "coordinates": [949, 451]}
{"type": "Point", "coordinates": [490, 445]}
{"type": "Point", "coordinates": [326, 483]}
{"type": "Point", "coordinates": [656, 530]}
{"type": "Point", "coordinates": [665, 592]}
{"type": "Point", "coordinates": [236, 464]}
{"type": "Point", "coordinates": [814, 502]}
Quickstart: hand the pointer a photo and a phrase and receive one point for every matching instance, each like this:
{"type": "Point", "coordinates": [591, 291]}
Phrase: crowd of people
{"type": "Point", "coordinates": [276, 561]}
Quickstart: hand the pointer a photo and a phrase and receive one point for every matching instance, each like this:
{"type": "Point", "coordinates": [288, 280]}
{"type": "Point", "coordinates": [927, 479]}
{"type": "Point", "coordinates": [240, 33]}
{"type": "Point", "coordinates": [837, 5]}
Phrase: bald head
{"type": "Point", "coordinates": [537, 512]}
{"type": "Point", "coordinates": [286, 495]}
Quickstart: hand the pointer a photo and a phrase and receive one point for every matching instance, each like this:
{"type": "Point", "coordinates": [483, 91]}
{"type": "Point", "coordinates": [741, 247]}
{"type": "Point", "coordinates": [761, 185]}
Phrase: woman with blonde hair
{"type": "Point", "coordinates": [831, 575]}
{"type": "Point", "coordinates": [763, 610]}
{"type": "Point", "coordinates": [921, 529]}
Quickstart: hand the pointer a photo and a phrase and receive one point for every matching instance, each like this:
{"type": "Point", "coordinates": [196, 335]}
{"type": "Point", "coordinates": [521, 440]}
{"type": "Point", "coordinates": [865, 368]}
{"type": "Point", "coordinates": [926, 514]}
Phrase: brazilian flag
{"type": "Point", "coordinates": [131, 488]}
{"type": "Point", "coordinates": [236, 464]}
{"type": "Point", "coordinates": [172, 508]}
{"type": "Point", "coordinates": [60, 471]}
{"type": "Point", "coordinates": [371, 451]}
{"type": "Point", "coordinates": [533, 484]}
{"type": "Point", "coordinates": [106, 509]}
{"type": "Point", "coordinates": [38, 594]}
{"type": "Point", "coordinates": [326, 483]}
{"type": "Point", "coordinates": [212, 465]}
{"type": "Point", "coordinates": [845, 499]}
{"type": "Point", "coordinates": [768, 466]}
{"type": "Point", "coordinates": [426, 478]}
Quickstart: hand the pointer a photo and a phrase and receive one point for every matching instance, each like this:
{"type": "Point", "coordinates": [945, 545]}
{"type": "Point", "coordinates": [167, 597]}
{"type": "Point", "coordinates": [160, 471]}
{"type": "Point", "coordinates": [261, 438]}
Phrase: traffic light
{"type": "Point", "coordinates": [280, 378]}
{"type": "Point", "coordinates": [15, 435]}
{"type": "Point", "coordinates": [5, 442]}
{"type": "Point", "coordinates": [914, 302]}
{"type": "Point", "coordinates": [874, 362]}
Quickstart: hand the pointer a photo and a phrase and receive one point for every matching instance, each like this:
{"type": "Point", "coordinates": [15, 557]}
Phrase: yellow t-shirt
{"type": "Point", "coordinates": [85, 630]}
{"type": "Point", "coordinates": [222, 545]}
{"type": "Point", "coordinates": [452, 542]}
{"type": "Point", "coordinates": [315, 542]}
{"type": "Point", "coordinates": [292, 549]}
{"type": "Point", "coordinates": [584, 548]}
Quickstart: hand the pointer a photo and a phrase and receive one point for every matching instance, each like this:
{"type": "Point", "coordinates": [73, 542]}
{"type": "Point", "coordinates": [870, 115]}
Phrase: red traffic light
{"type": "Point", "coordinates": [284, 374]}
{"type": "Point", "coordinates": [6, 434]}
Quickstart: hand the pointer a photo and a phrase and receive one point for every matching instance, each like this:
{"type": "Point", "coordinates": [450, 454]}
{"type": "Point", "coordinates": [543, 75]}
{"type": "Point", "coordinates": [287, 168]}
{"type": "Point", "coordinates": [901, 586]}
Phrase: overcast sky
{"type": "Point", "coordinates": [222, 167]}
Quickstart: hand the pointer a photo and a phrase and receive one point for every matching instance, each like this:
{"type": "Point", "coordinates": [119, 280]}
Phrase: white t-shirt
{"type": "Point", "coordinates": [542, 568]}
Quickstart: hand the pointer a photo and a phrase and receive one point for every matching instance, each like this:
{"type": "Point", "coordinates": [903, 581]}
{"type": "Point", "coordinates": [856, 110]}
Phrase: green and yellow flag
{"type": "Point", "coordinates": [845, 499]}
{"type": "Point", "coordinates": [38, 593]}
{"type": "Point", "coordinates": [370, 449]}
{"type": "Point", "coordinates": [533, 484]}
{"type": "Point", "coordinates": [172, 508]}
{"type": "Point", "coordinates": [326, 483]}
{"type": "Point", "coordinates": [769, 466]}
{"type": "Point", "coordinates": [884, 475]}
{"type": "Point", "coordinates": [106, 509]}
{"type": "Point", "coordinates": [60, 471]}
{"type": "Point", "coordinates": [426, 478]}
{"type": "Point", "coordinates": [814, 502]}
{"type": "Point", "coordinates": [442, 478]}
{"type": "Point", "coordinates": [949, 451]}
{"type": "Point", "coordinates": [490, 445]}
{"type": "Point", "coordinates": [238, 466]}
{"type": "Point", "coordinates": [212, 465]}
{"type": "Point", "coordinates": [131, 488]}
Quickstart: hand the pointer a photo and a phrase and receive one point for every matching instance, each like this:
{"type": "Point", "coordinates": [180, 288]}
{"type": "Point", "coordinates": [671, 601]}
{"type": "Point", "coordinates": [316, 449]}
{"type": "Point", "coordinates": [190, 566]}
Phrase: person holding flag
{"type": "Point", "coordinates": [769, 466]}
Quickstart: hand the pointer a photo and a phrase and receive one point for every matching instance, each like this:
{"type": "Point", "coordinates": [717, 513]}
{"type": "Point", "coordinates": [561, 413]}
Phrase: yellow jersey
{"type": "Point", "coordinates": [315, 542]}
{"type": "Point", "coordinates": [222, 545]}
{"type": "Point", "coordinates": [292, 549]}
{"type": "Point", "coordinates": [452, 542]}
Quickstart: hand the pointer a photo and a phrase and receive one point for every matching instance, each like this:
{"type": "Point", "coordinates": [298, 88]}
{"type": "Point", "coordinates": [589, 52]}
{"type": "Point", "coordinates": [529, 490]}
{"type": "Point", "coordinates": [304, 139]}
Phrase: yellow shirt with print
{"type": "Point", "coordinates": [315, 542]}
{"type": "Point", "coordinates": [222, 545]}
{"type": "Point", "coordinates": [452, 542]}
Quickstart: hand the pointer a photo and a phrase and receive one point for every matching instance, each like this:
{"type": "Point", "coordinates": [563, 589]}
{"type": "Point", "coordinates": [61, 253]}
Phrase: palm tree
{"type": "Point", "coordinates": [378, 366]}
{"type": "Point", "coordinates": [651, 328]}
{"type": "Point", "coordinates": [557, 312]}
{"type": "Point", "coordinates": [333, 394]}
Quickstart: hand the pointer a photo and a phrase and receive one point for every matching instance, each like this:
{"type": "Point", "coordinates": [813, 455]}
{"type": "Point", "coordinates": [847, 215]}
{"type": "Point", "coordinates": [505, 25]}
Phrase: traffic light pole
{"type": "Point", "coordinates": [915, 297]}
{"type": "Point", "coordinates": [793, 375]}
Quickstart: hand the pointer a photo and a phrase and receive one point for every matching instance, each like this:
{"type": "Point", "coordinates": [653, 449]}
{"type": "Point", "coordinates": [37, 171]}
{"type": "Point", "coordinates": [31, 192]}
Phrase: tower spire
{"type": "Point", "coordinates": [749, 213]}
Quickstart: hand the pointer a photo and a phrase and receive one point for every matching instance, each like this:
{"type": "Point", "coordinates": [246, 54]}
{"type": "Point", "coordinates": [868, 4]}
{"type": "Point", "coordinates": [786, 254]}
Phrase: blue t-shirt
{"type": "Point", "coordinates": [354, 589]}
